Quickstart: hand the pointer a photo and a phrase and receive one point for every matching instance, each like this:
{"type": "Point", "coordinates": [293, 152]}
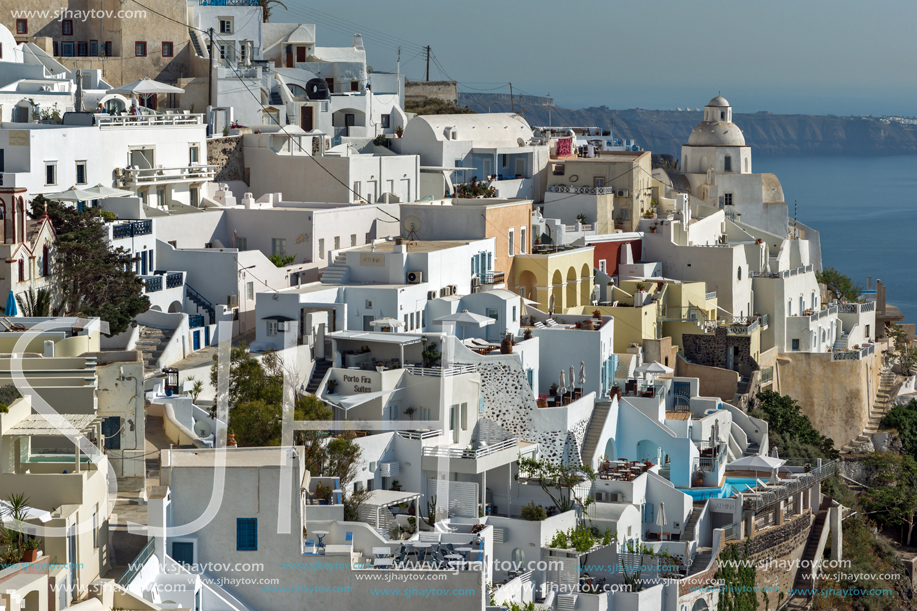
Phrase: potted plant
{"type": "Point", "coordinates": [409, 412]}
{"type": "Point", "coordinates": [653, 228]}
{"type": "Point", "coordinates": [323, 493]}
{"type": "Point", "coordinates": [399, 131]}
{"type": "Point", "coordinates": [759, 241]}
{"type": "Point", "coordinates": [527, 334]}
{"type": "Point", "coordinates": [641, 286]}
{"type": "Point", "coordinates": [542, 401]}
{"type": "Point", "coordinates": [581, 218]}
{"type": "Point", "coordinates": [506, 346]}
{"type": "Point", "coordinates": [31, 549]}
{"type": "Point", "coordinates": [553, 390]}
{"type": "Point", "coordinates": [597, 314]}
{"type": "Point", "coordinates": [587, 325]}
{"type": "Point", "coordinates": [332, 384]}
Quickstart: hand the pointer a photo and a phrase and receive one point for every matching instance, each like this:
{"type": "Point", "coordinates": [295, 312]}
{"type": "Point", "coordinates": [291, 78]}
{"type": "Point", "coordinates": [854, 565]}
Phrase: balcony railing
{"type": "Point", "coordinates": [441, 372]}
{"type": "Point", "coordinates": [491, 277]}
{"type": "Point", "coordinates": [153, 284]}
{"type": "Point", "coordinates": [109, 121]}
{"type": "Point", "coordinates": [131, 229]}
{"type": "Point", "coordinates": [415, 435]}
{"type": "Point", "coordinates": [767, 375]}
{"type": "Point", "coordinates": [581, 190]}
{"type": "Point", "coordinates": [783, 274]}
{"type": "Point", "coordinates": [174, 281]}
{"type": "Point", "coordinates": [773, 495]}
{"type": "Point", "coordinates": [853, 355]}
{"type": "Point", "coordinates": [451, 452]}
{"type": "Point", "coordinates": [856, 308]}
{"type": "Point", "coordinates": [195, 321]}
{"type": "Point", "coordinates": [709, 463]}
{"type": "Point", "coordinates": [138, 564]}
{"type": "Point", "coordinates": [148, 176]}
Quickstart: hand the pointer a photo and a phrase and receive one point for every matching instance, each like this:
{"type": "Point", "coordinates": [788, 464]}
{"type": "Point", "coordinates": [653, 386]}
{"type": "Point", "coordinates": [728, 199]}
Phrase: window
{"type": "Point", "coordinates": [514, 313]}
{"type": "Point", "coordinates": [55, 49]}
{"type": "Point", "coordinates": [386, 121]}
{"type": "Point", "coordinates": [337, 242]}
{"type": "Point", "coordinates": [95, 526]}
{"type": "Point", "coordinates": [512, 242]}
{"type": "Point", "coordinates": [369, 304]}
{"type": "Point", "coordinates": [82, 49]}
{"type": "Point", "coordinates": [727, 199]}
{"type": "Point", "coordinates": [94, 48]}
{"type": "Point", "coordinates": [598, 182]}
{"type": "Point", "coordinates": [727, 164]}
{"type": "Point", "coordinates": [22, 26]}
{"type": "Point", "coordinates": [411, 327]}
{"type": "Point", "coordinates": [194, 197]}
{"type": "Point", "coordinates": [739, 273]}
{"type": "Point", "coordinates": [722, 115]}
{"type": "Point", "coordinates": [167, 49]}
{"type": "Point", "coordinates": [356, 188]}
{"type": "Point", "coordinates": [407, 322]}
{"type": "Point", "coordinates": [108, 52]}
{"type": "Point", "coordinates": [81, 172]}
{"type": "Point", "coordinates": [354, 85]}
{"type": "Point", "coordinates": [66, 27]}
{"type": "Point", "coordinates": [368, 235]}
{"type": "Point", "coordinates": [140, 49]}
{"type": "Point", "coordinates": [493, 313]}
{"type": "Point", "coordinates": [50, 173]}
{"type": "Point", "coordinates": [523, 242]}
{"type": "Point", "coordinates": [66, 49]}
{"type": "Point", "coordinates": [353, 239]}
{"type": "Point", "coordinates": [558, 169]}
{"type": "Point", "coordinates": [464, 416]}
{"type": "Point", "coordinates": [21, 270]}
{"type": "Point", "coordinates": [46, 265]}
{"type": "Point", "coordinates": [247, 534]}
{"type": "Point", "coordinates": [194, 154]}
{"type": "Point", "coordinates": [278, 246]}
{"type": "Point", "coordinates": [795, 344]}
{"type": "Point", "coordinates": [272, 327]}
{"type": "Point", "coordinates": [453, 423]}
{"type": "Point", "coordinates": [226, 25]}
{"type": "Point", "coordinates": [321, 248]}
{"type": "Point", "coordinates": [425, 413]}
{"type": "Point", "coordinates": [602, 265]}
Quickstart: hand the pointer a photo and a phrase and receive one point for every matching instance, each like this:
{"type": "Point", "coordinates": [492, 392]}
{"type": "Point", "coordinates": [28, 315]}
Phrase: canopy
{"type": "Point", "coordinates": [11, 309]}
{"type": "Point", "coordinates": [146, 86]}
{"type": "Point", "coordinates": [29, 513]}
{"type": "Point", "coordinates": [102, 192]}
{"type": "Point", "coordinates": [72, 195]}
{"type": "Point", "coordinates": [351, 401]}
{"type": "Point", "coordinates": [654, 368]}
{"type": "Point", "coordinates": [386, 322]}
{"type": "Point", "coordinates": [467, 319]}
{"type": "Point", "coordinates": [756, 463]}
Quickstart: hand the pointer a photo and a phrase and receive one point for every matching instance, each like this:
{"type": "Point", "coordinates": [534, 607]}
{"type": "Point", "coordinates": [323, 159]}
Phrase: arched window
{"type": "Point", "coordinates": [727, 163]}
{"type": "Point", "coordinates": [518, 556]}
{"type": "Point", "coordinates": [746, 165]}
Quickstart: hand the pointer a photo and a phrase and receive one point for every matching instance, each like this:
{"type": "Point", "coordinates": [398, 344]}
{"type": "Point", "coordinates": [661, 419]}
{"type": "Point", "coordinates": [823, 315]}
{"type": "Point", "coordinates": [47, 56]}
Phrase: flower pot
{"type": "Point", "coordinates": [30, 555]}
{"type": "Point", "coordinates": [506, 346]}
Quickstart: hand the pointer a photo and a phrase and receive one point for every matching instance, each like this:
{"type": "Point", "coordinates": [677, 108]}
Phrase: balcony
{"type": "Point", "coordinates": [131, 229]}
{"type": "Point", "coordinates": [581, 190]}
{"type": "Point", "coordinates": [139, 177]}
{"type": "Point", "coordinates": [473, 460]}
{"type": "Point", "coordinates": [783, 274]}
{"type": "Point", "coordinates": [738, 325]}
{"type": "Point", "coordinates": [856, 308]}
{"type": "Point", "coordinates": [441, 372]}
{"type": "Point", "coordinates": [474, 454]}
{"type": "Point", "coordinates": [492, 277]}
{"type": "Point", "coordinates": [756, 499]}
{"type": "Point", "coordinates": [853, 355]}
{"type": "Point", "coordinates": [106, 121]}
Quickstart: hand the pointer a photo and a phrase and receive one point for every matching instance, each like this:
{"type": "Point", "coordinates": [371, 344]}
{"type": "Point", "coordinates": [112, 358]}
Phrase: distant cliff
{"type": "Point", "coordinates": [664, 131]}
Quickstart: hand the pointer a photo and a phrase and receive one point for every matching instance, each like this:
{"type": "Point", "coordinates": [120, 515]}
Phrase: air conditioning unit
{"type": "Point", "coordinates": [232, 301]}
{"type": "Point", "coordinates": [431, 295]}
{"type": "Point", "coordinates": [445, 291]}
{"type": "Point", "coordinates": [623, 193]}
{"type": "Point", "coordinates": [453, 289]}
{"type": "Point", "coordinates": [415, 277]}
{"type": "Point", "coordinates": [475, 281]}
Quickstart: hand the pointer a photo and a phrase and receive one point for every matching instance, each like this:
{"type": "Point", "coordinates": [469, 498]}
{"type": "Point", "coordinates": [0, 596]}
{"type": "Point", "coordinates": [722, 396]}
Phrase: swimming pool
{"type": "Point", "coordinates": [730, 487]}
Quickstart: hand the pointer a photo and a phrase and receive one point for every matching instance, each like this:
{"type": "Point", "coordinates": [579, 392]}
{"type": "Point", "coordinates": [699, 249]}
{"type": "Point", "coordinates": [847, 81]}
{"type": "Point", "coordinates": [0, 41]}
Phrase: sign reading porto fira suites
{"type": "Point", "coordinates": [360, 383]}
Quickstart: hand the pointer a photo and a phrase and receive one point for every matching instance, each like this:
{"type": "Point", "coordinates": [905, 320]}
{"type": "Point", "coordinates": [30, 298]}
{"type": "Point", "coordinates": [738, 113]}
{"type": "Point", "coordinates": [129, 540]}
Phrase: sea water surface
{"type": "Point", "coordinates": [866, 211]}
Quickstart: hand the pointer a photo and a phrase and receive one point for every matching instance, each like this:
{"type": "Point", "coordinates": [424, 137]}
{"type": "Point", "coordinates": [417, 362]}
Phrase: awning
{"type": "Point", "coordinates": [54, 425]}
{"type": "Point", "coordinates": [370, 336]}
{"type": "Point", "coordinates": [278, 318]}
{"type": "Point", "coordinates": [387, 498]}
{"type": "Point", "coordinates": [351, 401]}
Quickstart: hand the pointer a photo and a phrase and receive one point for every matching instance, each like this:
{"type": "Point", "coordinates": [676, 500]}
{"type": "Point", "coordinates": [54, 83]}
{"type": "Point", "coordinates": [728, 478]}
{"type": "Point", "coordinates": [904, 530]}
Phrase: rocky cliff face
{"type": "Point", "coordinates": [664, 131]}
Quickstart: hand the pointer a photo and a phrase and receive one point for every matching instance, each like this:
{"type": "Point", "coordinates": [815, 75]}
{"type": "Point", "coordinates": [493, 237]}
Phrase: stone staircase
{"type": "Point", "coordinates": [689, 534]}
{"type": "Point", "coordinates": [318, 374]}
{"type": "Point", "coordinates": [701, 560]}
{"type": "Point", "coordinates": [752, 449]}
{"type": "Point", "coordinates": [889, 384]}
{"type": "Point", "coordinates": [151, 343]}
{"type": "Point", "coordinates": [337, 272]}
{"type": "Point", "coordinates": [841, 342]}
{"type": "Point", "coordinates": [805, 576]}
{"type": "Point", "coordinates": [594, 431]}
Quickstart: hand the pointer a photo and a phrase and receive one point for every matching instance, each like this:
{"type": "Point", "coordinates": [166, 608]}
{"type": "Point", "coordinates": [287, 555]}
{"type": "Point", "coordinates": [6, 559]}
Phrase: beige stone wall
{"type": "Point", "coordinates": [835, 395]}
{"type": "Point", "coordinates": [229, 154]}
{"type": "Point", "coordinates": [714, 382]}
{"type": "Point", "coordinates": [122, 32]}
{"type": "Point", "coordinates": [447, 91]}
{"type": "Point", "coordinates": [779, 548]}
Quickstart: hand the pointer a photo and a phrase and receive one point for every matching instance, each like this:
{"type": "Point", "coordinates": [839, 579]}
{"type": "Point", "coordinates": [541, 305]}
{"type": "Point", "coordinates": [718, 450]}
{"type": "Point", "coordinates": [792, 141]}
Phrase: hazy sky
{"type": "Point", "coordinates": [801, 56]}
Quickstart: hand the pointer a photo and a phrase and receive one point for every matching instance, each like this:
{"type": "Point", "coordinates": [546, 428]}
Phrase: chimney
{"type": "Point", "coordinates": [868, 283]}
{"type": "Point", "coordinates": [880, 297]}
{"type": "Point", "coordinates": [357, 42]}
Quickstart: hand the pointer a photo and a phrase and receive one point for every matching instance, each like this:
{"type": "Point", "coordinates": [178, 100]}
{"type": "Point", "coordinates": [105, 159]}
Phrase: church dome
{"type": "Point", "coordinates": [718, 101]}
{"type": "Point", "coordinates": [716, 134]}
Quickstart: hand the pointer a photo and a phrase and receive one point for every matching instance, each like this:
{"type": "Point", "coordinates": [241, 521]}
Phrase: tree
{"type": "Point", "coordinates": [250, 379]}
{"type": "Point", "coordinates": [91, 278]}
{"type": "Point", "coordinates": [791, 430]}
{"type": "Point", "coordinates": [904, 351]}
{"type": "Point", "coordinates": [903, 418]}
{"type": "Point", "coordinates": [35, 303]}
{"type": "Point", "coordinates": [559, 481]}
{"type": "Point", "coordinates": [895, 500]}
{"type": "Point", "coordinates": [435, 106]}
{"type": "Point", "coordinates": [839, 283]}
{"type": "Point", "coordinates": [266, 6]}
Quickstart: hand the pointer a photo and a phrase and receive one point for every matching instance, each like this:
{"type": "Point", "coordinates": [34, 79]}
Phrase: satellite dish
{"type": "Point", "coordinates": [203, 429]}
{"type": "Point", "coordinates": [412, 224]}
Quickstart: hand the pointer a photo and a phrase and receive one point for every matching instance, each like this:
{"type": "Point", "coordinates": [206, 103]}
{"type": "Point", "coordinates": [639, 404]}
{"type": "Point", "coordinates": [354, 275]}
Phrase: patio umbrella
{"type": "Point", "coordinates": [582, 373]}
{"type": "Point", "coordinates": [146, 87]}
{"type": "Point", "coordinates": [386, 322]}
{"type": "Point", "coordinates": [572, 376]}
{"type": "Point", "coordinates": [654, 368]}
{"type": "Point", "coordinates": [660, 518]}
{"type": "Point", "coordinates": [687, 561]}
{"type": "Point", "coordinates": [562, 387]}
{"type": "Point", "coordinates": [71, 195]}
{"type": "Point", "coordinates": [102, 192]}
{"type": "Point", "coordinates": [11, 309]}
{"type": "Point", "coordinates": [465, 319]}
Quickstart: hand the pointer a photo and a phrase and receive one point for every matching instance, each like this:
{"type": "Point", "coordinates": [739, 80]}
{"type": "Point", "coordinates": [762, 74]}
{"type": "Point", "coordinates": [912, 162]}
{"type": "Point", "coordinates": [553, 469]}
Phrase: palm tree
{"type": "Point", "coordinates": [266, 8]}
{"type": "Point", "coordinates": [35, 304]}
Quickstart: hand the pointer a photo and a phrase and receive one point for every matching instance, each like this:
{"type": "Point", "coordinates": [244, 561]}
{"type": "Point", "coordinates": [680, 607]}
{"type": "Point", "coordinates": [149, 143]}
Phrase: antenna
{"type": "Point", "coordinates": [412, 224]}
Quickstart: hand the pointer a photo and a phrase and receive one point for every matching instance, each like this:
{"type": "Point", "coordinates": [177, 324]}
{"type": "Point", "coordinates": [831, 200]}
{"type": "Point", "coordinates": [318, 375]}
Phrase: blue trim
{"type": "Point", "coordinates": [247, 534]}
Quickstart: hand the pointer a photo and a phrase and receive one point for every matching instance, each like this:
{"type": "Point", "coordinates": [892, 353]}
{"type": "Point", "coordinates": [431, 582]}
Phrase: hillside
{"type": "Point", "coordinates": [664, 131]}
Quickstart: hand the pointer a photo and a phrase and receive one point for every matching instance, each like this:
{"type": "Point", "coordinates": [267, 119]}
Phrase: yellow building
{"type": "Point", "coordinates": [561, 282]}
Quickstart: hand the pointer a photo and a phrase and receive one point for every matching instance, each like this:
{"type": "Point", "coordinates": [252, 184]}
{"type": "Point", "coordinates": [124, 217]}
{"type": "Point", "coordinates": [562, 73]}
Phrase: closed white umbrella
{"type": "Point", "coordinates": [562, 387]}
{"type": "Point", "coordinates": [774, 453]}
{"type": "Point", "coordinates": [386, 322]}
{"type": "Point", "coordinates": [660, 518]}
{"type": "Point", "coordinates": [572, 376]}
{"type": "Point", "coordinates": [582, 373]}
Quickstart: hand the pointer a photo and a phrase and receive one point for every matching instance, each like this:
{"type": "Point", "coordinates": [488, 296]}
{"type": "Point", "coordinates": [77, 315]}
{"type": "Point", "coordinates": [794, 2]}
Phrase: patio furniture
{"type": "Point", "coordinates": [321, 534]}
{"type": "Point", "coordinates": [382, 552]}
{"type": "Point", "coordinates": [382, 563]}
{"type": "Point", "coordinates": [308, 546]}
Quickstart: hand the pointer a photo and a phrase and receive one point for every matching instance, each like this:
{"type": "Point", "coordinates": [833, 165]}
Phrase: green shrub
{"type": "Point", "coordinates": [534, 513]}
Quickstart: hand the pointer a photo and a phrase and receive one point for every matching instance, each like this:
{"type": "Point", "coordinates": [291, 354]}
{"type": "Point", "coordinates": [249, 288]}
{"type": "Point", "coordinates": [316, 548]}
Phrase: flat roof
{"type": "Point", "coordinates": [54, 425]}
{"type": "Point", "coordinates": [387, 498]}
{"type": "Point", "coordinates": [376, 336]}
{"type": "Point", "coordinates": [412, 246]}
{"type": "Point", "coordinates": [604, 157]}
{"type": "Point", "coordinates": [235, 457]}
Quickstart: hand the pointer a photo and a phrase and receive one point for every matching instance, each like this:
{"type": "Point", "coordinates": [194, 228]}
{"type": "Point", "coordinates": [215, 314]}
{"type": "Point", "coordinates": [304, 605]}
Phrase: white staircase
{"type": "Point", "coordinates": [337, 272]}
{"type": "Point", "coordinates": [841, 342]}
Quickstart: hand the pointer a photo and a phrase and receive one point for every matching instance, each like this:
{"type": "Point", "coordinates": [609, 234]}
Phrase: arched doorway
{"type": "Point", "coordinates": [611, 451]}
{"type": "Point", "coordinates": [175, 307]}
{"type": "Point", "coordinates": [585, 287]}
{"type": "Point", "coordinates": [649, 450]}
{"type": "Point", "coordinates": [571, 288]}
{"type": "Point", "coordinates": [557, 291]}
{"type": "Point", "coordinates": [526, 284]}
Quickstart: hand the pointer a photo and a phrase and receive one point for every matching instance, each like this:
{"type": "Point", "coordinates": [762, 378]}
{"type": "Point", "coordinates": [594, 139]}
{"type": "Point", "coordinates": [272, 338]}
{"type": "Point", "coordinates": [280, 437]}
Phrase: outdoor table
{"type": "Point", "coordinates": [382, 552]}
{"type": "Point", "coordinates": [321, 534]}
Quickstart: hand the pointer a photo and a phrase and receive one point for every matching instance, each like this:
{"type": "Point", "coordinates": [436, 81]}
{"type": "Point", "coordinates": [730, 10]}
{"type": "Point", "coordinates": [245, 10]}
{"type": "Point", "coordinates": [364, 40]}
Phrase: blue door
{"type": "Point", "coordinates": [183, 552]}
{"type": "Point", "coordinates": [196, 338]}
{"type": "Point", "coordinates": [143, 264]}
{"type": "Point", "coordinates": [111, 429]}
{"type": "Point", "coordinates": [206, 336]}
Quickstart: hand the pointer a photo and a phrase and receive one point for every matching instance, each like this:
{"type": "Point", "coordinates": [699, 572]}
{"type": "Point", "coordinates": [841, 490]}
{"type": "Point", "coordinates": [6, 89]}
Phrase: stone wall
{"type": "Point", "coordinates": [447, 91]}
{"type": "Point", "coordinates": [714, 382]}
{"type": "Point", "coordinates": [711, 350]}
{"type": "Point", "coordinates": [779, 548]}
{"type": "Point", "coordinates": [229, 154]}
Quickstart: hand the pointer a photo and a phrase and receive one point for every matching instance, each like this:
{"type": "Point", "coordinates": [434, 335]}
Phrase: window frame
{"type": "Point", "coordinates": [727, 163]}
{"type": "Point", "coordinates": [248, 527]}
{"type": "Point", "coordinates": [511, 238]}
{"type": "Point", "coordinates": [52, 165]}
{"type": "Point", "coordinates": [64, 45]}
{"type": "Point", "coordinates": [171, 52]}
{"type": "Point", "coordinates": [728, 200]}
{"type": "Point", "coordinates": [64, 26]}
{"type": "Point", "coordinates": [386, 121]}
{"type": "Point", "coordinates": [91, 43]}
{"type": "Point", "coordinates": [523, 238]}
{"type": "Point", "coordinates": [230, 21]}
{"type": "Point", "coordinates": [140, 42]}
{"type": "Point", "coordinates": [82, 48]}
{"type": "Point", "coordinates": [282, 242]}
{"type": "Point", "coordinates": [272, 328]}
{"type": "Point", "coordinates": [78, 165]}
{"type": "Point", "coordinates": [25, 27]}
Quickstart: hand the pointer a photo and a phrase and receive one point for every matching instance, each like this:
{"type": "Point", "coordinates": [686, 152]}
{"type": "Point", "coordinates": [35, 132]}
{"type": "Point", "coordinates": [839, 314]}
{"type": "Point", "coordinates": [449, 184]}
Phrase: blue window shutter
{"type": "Point", "coordinates": [530, 376]}
{"type": "Point", "coordinates": [246, 534]}
{"type": "Point", "coordinates": [490, 261]}
{"type": "Point", "coordinates": [481, 405]}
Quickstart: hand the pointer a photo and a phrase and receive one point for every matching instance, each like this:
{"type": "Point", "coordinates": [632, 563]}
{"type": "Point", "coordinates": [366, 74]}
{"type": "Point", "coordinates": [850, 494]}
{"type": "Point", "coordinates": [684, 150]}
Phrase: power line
{"type": "Point", "coordinates": [362, 28]}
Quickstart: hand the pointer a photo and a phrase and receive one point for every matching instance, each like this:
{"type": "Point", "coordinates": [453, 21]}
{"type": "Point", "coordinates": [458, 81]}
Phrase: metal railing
{"type": "Point", "coordinates": [492, 277]}
{"type": "Point", "coordinates": [137, 565]}
{"type": "Point", "coordinates": [761, 500]}
{"type": "Point", "coordinates": [856, 308]}
{"type": "Point", "coordinates": [132, 228]}
{"type": "Point", "coordinates": [451, 452]}
{"type": "Point", "coordinates": [104, 120]}
{"type": "Point", "coordinates": [581, 190]}
{"type": "Point", "coordinates": [441, 372]}
{"type": "Point", "coordinates": [195, 321]}
{"type": "Point", "coordinates": [142, 176]}
{"type": "Point", "coordinates": [175, 280]}
{"type": "Point", "coordinates": [767, 375]}
{"type": "Point", "coordinates": [709, 463]}
{"type": "Point", "coordinates": [853, 355]}
{"type": "Point", "coordinates": [783, 274]}
{"type": "Point", "coordinates": [153, 284]}
{"type": "Point", "coordinates": [420, 434]}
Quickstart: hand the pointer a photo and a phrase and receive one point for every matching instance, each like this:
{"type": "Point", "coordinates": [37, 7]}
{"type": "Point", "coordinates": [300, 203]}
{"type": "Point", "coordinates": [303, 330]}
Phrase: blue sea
{"type": "Point", "coordinates": [866, 211]}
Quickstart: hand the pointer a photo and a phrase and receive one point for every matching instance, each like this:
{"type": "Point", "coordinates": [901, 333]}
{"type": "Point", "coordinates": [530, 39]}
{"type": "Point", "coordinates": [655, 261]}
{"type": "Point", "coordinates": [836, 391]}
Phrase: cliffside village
{"type": "Point", "coordinates": [544, 345]}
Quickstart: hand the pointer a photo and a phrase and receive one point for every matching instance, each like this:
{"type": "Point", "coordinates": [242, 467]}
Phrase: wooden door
{"type": "Point", "coordinates": [306, 118]}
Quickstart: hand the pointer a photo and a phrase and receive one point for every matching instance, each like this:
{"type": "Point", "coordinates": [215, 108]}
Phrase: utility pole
{"type": "Point", "coordinates": [511, 100]}
{"type": "Point", "coordinates": [428, 62]}
{"type": "Point", "coordinates": [210, 85]}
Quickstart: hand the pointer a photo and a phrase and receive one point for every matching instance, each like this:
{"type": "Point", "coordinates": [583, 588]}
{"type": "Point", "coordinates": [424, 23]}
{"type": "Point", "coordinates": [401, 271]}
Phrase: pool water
{"type": "Point", "coordinates": [729, 488]}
